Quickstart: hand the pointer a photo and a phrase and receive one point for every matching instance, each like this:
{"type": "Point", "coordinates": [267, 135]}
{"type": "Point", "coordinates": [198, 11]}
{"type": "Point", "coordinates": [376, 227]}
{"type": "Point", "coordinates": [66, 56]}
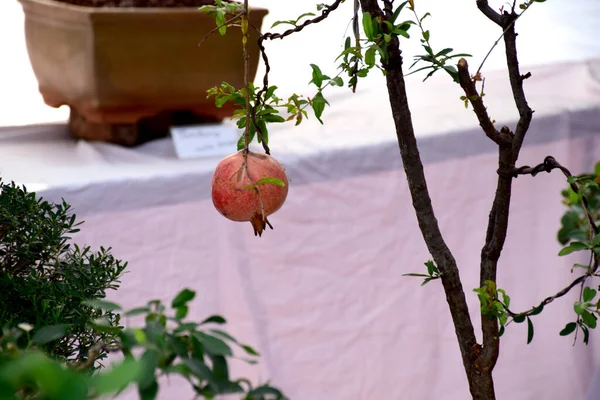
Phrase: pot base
{"type": "Point", "coordinates": [134, 134]}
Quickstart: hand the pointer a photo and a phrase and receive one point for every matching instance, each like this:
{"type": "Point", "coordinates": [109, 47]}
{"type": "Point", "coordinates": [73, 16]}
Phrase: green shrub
{"type": "Point", "coordinates": [45, 280]}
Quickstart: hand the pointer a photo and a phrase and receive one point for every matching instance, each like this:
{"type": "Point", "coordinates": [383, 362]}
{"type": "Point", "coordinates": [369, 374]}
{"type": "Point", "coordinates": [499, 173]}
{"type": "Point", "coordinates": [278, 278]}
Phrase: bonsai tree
{"type": "Point", "coordinates": [385, 25]}
{"type": "Point", "coordinates": [57, 327]}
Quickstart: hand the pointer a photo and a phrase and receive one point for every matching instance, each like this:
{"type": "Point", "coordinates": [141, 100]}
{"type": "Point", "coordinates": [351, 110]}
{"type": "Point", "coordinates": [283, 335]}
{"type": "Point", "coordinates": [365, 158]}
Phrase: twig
{"type": "Point", "coordinates": [245, 19]}
{"type": "Point", "coordinates": [245, 23]}
{"type": "Point", "coordinates": [501, 36]}
{"type": "Point", "coordinates": [356, 30]}
{"type": "Point", "coordinates": [226, 23]}
{"type": "Point", "coordinates": [258, 103]}
{"type": "Point", "coordinates": [516, 83]}
{"type": "Point", "coordinates": [548, 165]}
{"type": "Point", "coordinates": [468, 85]}
{"type": "Point", "coordinates": [485, 8]}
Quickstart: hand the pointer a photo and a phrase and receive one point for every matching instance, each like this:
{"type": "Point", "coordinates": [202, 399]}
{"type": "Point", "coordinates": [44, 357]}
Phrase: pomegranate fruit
{"type": "Point", "coordinates": [249, 192]}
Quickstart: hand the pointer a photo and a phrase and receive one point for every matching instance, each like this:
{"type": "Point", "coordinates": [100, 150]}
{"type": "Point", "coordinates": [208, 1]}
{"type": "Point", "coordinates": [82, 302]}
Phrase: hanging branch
{"type": "Point", "coordinates": [258, 103]}
{"type": "Point", "coordinates": [549, 165]}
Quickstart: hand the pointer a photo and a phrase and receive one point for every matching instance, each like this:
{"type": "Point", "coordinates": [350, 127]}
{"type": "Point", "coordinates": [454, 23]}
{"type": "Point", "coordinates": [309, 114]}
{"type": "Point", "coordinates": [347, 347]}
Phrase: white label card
{"type": "Point", "coordinates": [206, 140]}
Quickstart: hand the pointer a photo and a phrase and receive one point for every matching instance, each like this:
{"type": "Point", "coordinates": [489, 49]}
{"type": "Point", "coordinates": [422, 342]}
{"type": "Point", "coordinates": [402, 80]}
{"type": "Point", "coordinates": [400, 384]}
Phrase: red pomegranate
{"type": "Point", "coordinates": [249, 192]}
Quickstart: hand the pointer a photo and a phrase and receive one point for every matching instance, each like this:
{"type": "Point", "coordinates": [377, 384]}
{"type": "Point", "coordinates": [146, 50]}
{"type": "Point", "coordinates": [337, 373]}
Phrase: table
{"type": "Point", "coordinates": [322, 296]}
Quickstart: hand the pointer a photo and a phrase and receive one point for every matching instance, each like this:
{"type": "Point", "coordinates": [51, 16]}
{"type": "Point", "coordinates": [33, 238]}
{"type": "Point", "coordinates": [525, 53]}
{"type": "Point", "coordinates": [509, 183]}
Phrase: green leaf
{"type": "Point", "coordinates": [589, 319]}
{"type": "Point", "coordinates": [417, 275]}
{"type": "Point", "coordinates": [430, 267]}
{"type": "Point", "coordinates": [223, 334]}
{"type": "Point", "coordinates": [519, 318]}
{"type": "Point", "coordinates": [213, 345]}
{"type": "Point", "coordinates": [104, 325]}
{"type": "Point", "coordinates": [529, 330]}
{"type": "Point", "coordinates": [367, 23]}
{"type": "Point", "coordinates": [537, 310]}
{"type": "Point", "coordinates": [118, 377]}
{"type": "Point", "coordinates": [308, 14]}
{"type": "Point", "coordinates": [149, 363]}
{"type": "Point", "coordinates": [443, 52]}
{"type": "Point", "coordinates": [104, 305]}
{"type": "Point", "coordinates": [270, 91]}
{"type": "Point", "coordinates": [429, 279]}
{"type": "Point", "coordinates": [49, 334]}
{"type": "Point", "coordinates": [337, 81]}
{"type": "Point", "coordinates": [426, 36]}
{"type": "Point", "coordinates": [181, 312]}
{"type": "Point", "coordinates": [397, 11]}
{"type": "Point", "coordinates": [282, 22]}
{"type": "Point", "coordinates": [263, 392]}
{"type": "Point", "coordinates": [202, 371]}
{"type": "Point", "coordinates": [250, 350]}
{"type": "Point", "coordinates": [273, 118]}
{"type": "Point", "coordinates": [568, 329]}
{"type": "Point", "coordinates": [318, 104]}
{"type": "Point", "coordinates": [317, 75]}
{"type": "Point", "coordinates": [150, 392]}
{"type": "Point", "coordinates": [501, 331]}
{"type": "Point", "coordinates": [214, 319]}
{"type": "Point", "coordinates": [182, 298]}
{"type": "Point", "coordinates": [271, 181]}
{"type": "Point", "coordinates": [221, 100]}
{"type": "Point", "coordinates": [575, 246]}
{"type": "Point", "coordinates": [370, 56]}
{"type": "Point", "coordinates": [137, 311]}
{"type": "Point", "coordinates": [220, 20]}
{"type": "Point", "coordinates": [588, 293]}
{"type": "Point", "coordinates": [579, 307]}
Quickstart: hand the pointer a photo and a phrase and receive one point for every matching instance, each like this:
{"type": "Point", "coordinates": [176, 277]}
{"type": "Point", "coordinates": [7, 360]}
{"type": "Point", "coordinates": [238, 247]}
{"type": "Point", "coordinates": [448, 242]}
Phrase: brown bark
{"type": "Point", "coordinates": [478, 360]}
{"type": "Point", "coordinates": [479, 379]}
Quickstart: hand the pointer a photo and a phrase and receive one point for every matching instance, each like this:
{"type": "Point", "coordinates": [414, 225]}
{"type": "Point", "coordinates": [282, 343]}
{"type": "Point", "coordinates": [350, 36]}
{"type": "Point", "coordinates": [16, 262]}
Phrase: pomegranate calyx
{"type": "Point", "coordinates": [259, 224]}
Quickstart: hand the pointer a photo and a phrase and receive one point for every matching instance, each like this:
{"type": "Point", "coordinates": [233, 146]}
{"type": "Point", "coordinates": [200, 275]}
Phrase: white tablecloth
{"type": "Point", "coordinates": [322, 295]}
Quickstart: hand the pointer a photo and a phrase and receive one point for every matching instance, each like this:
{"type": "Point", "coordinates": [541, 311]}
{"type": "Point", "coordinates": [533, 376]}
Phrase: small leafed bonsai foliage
{"type": "Point", "coordinates": [57, 329]}
{"type": "Point", "coordinates": [380, 27]}
{"type": "Point", "coordinates": [45, 280]}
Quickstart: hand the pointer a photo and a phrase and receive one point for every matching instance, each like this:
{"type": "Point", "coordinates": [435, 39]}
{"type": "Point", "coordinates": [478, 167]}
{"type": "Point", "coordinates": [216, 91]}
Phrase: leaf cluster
{"type": "Point", "coordinates": [432, 273]}
{"type": "Point", "coordinates": [435, 60]}
{"type": "Point", "coordinates": [166, 345]}
{"type": "Point", "coordinates": [220, 11]}
{"type": "Point", "coordinates": [45, 280]}
{"type": "Point", "coordinates": [574, 223]}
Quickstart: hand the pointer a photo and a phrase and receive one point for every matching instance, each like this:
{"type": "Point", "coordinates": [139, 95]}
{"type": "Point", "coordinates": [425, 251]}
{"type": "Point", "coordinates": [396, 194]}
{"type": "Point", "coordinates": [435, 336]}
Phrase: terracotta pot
{"type": "Point", "coordinates": [117, 66]}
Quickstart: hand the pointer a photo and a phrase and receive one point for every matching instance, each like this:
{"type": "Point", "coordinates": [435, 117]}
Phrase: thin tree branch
{"type": "Point", "coordinates": [258, 103]}
{"type": "Point", "coordinates": [516, 83]}
{"type": "Point", "coordinates": [501, 36]}
{"type": "Point", "coordinates": [548, 165]}
{"type": "Point", "coordinates": [489, 12]}
{"type": "Point", "coordinates": [508, 155]}
{"type": "Point", "coordinates": [413, 168]}
{"type": "Point", "coordinates": [468, 85]}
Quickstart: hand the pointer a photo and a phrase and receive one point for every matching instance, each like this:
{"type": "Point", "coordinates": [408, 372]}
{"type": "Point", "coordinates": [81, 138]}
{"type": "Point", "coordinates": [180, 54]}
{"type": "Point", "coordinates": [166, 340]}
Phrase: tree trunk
{"type": "Point", "coordinates": [481, 385]}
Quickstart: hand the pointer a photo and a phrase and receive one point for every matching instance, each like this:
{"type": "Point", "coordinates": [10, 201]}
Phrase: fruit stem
{"type": "Point", "coordinates": [244, 25]}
